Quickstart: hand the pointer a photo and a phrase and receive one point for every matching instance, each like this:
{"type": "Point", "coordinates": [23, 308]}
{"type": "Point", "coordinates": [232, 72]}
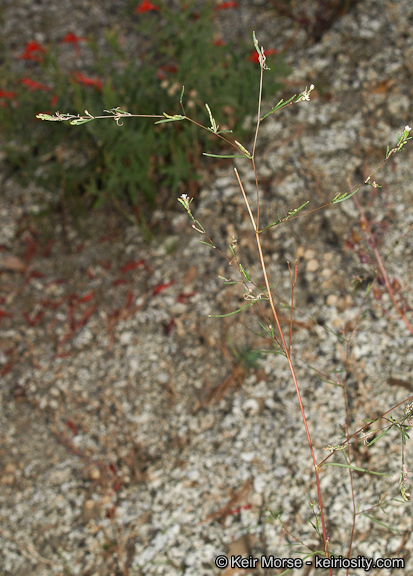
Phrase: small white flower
{"type": "Point", "coordinates": [185, 200]}
{"type": "Point", "coordinates": [306, 94]}
{"type": "Point", "coordinates": [407, 128]}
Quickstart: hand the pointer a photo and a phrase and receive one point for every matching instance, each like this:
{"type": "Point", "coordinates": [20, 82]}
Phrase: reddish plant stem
{"type": "Point", "coordinates": [290, 365]}
{"type": "Point", "coordinates": [287, 348]}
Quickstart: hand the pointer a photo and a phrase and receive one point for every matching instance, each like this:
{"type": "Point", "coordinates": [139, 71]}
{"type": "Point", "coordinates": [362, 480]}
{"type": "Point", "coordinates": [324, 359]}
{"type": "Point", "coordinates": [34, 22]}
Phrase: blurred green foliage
{"type": "Point", "coordinates": [138, 163]}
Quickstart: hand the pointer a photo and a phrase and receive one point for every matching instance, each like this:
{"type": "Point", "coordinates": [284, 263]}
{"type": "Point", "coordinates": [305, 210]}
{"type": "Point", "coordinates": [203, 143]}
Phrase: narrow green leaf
{"type": "Point", "coordinates": [279, 351]}
{"type": "Point", "coordinates": [354, 468]}
{"type": "Point", "coordinates": [241, 147]}
{"type": "Point", "coordinates": [379, 436]}
{"type": "Point", "coordinates": [214, 126]}
{"type": "Point", "coordinates": [290, 213]}
{"type": "Point", "coordinates": [281, 104]}
{"type": "Point", "coordinates": [197, 223]}
{"type": "Point", "coordinates": [118, 111]}
{"type": "Point", "coordinates": [79, 121]}
{"type": "Point", "coordinates": [220, 156]}
{"type": "Point", "coordinates": [174, 116]}
{"type": "Point", "coordinates": [381, 523]}
{"type": "Point", "coordinates": [255, 41]}
{"type": "Point", "coordinates": [295, 210]}
{"type": "Point", "coordinates": [370, 420]}
{"type": "Point", "coordinates": [321, 378]}
{"type": "Point", "coordinates": [231, 313]}
{"type": "Point", "coordinates": [345, 196]}
{"type": "Point", "coordinates": [175, 119]}
{"type": "Point", "coordinates": [229, 282]}
{"type": "Point", "coordinates": [245, 273]}
{"type": "Point", "coordinates": [48, 117]}
{"type": "Point", "coordinates": [272, 224]}
{"type": "Point", "coordinates": [368, 289]}
{"type": "Point", "coordinates": [266, 330]}
{"type": "Point", "coordinates": [399, 501]}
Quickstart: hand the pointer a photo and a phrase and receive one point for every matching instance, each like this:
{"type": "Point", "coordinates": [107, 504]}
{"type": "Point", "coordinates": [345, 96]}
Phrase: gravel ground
{"type": "Point", "coordinates": [134, 440]}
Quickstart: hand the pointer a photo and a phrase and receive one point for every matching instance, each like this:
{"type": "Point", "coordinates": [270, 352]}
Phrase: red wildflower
{"type": "Point", "coordinates": [71, 38]}
{"type": "Point", "coordinates": [183, 298]}
{"type": "Point", "coordinates": [7, 95]}
{"type": "Point", "coordinates": [225, 6]}
{"type": "Point", "coordinates": [33, 85]}
{"type": "Point", "coordinates": [31, 49]}
{"type": "Point", "coordinates": [87, 297]}
{"type": "Point", "coordinates": [162, 287]}
{"type": "Point", "coordinates": [255, 58]}
{"type": "Point", "coordinates": [219, 42]}
{"type": "Point", "coordinates": [166, 68]}
{"type": "Point", "coordinates": [131, 265]}
{"type": "Point", "coordinates": [81, 79]}
{"type": "Point", "coordinates": [146, 6]}
{"type": "Point", "coordinates": [4, 314]}
{"type": "Point", "coordinates": [53, 101]}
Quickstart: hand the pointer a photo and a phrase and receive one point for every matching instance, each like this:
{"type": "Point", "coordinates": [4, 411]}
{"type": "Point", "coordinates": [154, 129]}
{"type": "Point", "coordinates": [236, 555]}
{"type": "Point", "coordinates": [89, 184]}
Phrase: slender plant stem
{"type": "Point", "coordinates": [357, 432]}
{"type": "Point", "coordinates": [287, 348]}
{"type": "Point", "coordinates": [293, 283]}
{"type": "Point", "coordinates": [290, 364]}
{"type": "Point", "coordinates": [257, 128]}
{"type": "Point", "coordinates": [353, 527]}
